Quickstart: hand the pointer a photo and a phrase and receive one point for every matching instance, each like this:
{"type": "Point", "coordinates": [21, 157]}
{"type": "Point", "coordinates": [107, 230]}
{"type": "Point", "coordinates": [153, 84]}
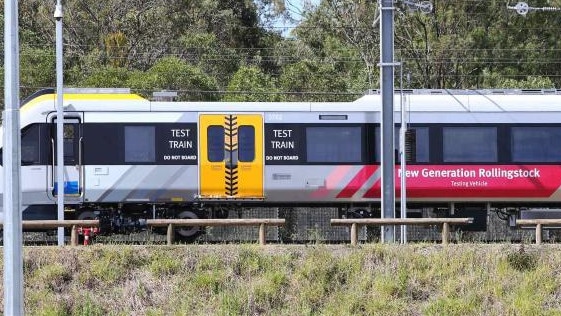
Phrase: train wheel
{"type": "Point", "coordinates": [86, 215]}
{"type": "Point", "coordinates": [188, 233]}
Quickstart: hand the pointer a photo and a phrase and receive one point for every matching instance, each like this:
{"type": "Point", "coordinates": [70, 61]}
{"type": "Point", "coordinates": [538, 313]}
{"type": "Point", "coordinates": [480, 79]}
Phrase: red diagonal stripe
{"type": "Point", "coordinates": [357, 182]}
{"type": "Point", "coordinates": [375, 191]}
{"type": "Point", "coordinates": [331, 182]}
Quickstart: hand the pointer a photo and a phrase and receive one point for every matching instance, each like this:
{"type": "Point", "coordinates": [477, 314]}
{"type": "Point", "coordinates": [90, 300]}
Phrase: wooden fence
{"type": "Point", "coordinates": [356, 222]}
{"type": "Point", "coordinates": [52, 224]}
{"type": "Point", "coordinates": [173, 223]}
{"type": "Point", "coordinates": [539, 223]}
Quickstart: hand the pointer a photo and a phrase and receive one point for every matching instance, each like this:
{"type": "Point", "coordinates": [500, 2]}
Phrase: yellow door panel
{"type": "Point", "coordinates": [231, 156]}
{"type": "Point", "coordinates": [250, 155]}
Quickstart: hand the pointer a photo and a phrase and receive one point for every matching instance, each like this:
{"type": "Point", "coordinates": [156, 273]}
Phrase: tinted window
{"type": "Point", "coordinates": [421, 144]}
{"type": "Point", "coordinates": [30, 145]}
{"type": "Point", "coordinates": [140, 144]}
{"type": "Point", "coordinates": [246, 143]}
{"type": "Point", "coordinates": [215, 146]}
{"type": "Point", "coordinates": [536, 144]}
{"type": "Point", "coordinates": [334, 144]}
{"type": "Point", "coordinates": [69, 133]}
{"type": "Point", "coordinates": [103, 144]}
{"type": "Point", "coordinates": [470, 144]}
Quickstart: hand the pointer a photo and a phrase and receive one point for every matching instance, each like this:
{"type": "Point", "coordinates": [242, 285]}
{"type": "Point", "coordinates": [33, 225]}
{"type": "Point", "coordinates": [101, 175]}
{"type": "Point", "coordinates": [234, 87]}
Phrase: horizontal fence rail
{"type": "Point", "coordinates": [172, 223]}
{"type": "Point", "coordinates": [355, 222]}
{"type": "Point", "coordinates": [539, 223]}
{"type": "Point", "coordinates": [52, 224]}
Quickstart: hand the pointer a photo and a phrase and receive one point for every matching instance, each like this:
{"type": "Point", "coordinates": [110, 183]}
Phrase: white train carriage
{"type": "Point", "coordinates": [129, 158]}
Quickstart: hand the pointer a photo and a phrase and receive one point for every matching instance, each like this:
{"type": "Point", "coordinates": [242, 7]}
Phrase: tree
{"type": "Point", "coordinates": [107, 77]}
{"type": "Point", "coordinates": [318, 81]}
{"type": "Point", "coordinates": [171, 73]}
{"type": "Point", "coordinates": [449, 48]}
{"type": "Point", "coordinates": [135, 34]}
{"type": "Point", "coordinates": [352, 23]}
{"type": "Point", "coordinates": [496, 81]}
{"type": "Point", "coordinates": [250, 84]}
{"type": "Point", "coordinates": [461, 42]}
{"type": "Point", "coordinates": [37, 69]}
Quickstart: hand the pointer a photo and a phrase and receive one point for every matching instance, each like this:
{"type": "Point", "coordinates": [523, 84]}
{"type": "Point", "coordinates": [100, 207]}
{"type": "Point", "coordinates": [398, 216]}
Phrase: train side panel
{"type": "Point", "coordinates": [140, 157]}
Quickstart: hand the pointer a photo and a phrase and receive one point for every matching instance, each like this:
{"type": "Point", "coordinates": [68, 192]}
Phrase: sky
{"type": "Point", "coordinates": [295, 8]}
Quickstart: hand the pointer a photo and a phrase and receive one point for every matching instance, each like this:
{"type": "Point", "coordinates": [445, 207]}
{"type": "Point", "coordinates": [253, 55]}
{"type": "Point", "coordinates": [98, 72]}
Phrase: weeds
{"type": "Point", "coordinates": [522, 260]}
{"type": "Point", "coordinates": [428, 279]}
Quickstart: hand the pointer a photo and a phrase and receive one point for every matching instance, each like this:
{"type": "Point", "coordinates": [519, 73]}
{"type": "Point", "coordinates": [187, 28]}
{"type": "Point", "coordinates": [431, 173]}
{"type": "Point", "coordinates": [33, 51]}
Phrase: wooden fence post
{"type": "Point", "coordinates": [74, 236]}
{"type": "Point", "coordinates": [170, 235]}
{"type": "Point", "coordinates": [445, 233]}
{"type": "Point", "coordinates": [262, 234]}
{"type": "Point", "coordinates": [538, 234]}
{"type": "Point", "coordinates": [354, 234]}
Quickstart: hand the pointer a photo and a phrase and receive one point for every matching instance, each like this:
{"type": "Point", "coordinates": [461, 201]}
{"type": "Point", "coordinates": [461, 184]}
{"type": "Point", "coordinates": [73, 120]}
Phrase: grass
{"type": "Point", "coordinates": [416, 279]}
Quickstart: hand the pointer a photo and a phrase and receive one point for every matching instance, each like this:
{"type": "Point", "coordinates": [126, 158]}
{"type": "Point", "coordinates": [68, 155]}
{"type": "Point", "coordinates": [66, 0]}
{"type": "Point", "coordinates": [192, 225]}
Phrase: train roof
{"type": "Point", "coordinates": [423, 100]}
{"type": "Point", "coordinates": [444, 100]}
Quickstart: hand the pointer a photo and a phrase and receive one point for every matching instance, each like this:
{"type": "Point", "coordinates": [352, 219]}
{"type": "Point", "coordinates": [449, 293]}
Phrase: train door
{"type": "Point", "coordinates": [73, 168]}
{"type": "Point", "coordinates": [231, 156]}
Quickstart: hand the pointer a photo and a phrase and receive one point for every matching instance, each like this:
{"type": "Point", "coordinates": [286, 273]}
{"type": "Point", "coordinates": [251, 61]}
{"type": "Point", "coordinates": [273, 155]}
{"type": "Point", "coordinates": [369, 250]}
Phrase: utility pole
{"type": "Point", "coordinates": [13, 259]}
{"type": "Point", "coordinates": [387, 90]}
{"type": "Point", "coordinates": [59, 123]}
{"type": "Point", "coordinates": [387, 65]}
{"type": "Point", "coordinates": [403, 157]}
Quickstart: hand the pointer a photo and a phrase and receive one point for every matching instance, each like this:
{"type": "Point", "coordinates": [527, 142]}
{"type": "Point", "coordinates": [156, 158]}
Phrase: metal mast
{"type": "Point", "coordinates": [387, 90]}
{"type": "Point", "coordinates": [59, 123]}
{"type": "Point", "coordinates": [403, 158]}
{"type": "Point", "coordinates": [13, 259]}
{"type": "Point", "coordinates": [387, 65]}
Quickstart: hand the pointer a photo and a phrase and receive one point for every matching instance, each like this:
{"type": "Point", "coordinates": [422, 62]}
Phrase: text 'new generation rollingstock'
{"type": "Point", "coordinates": [127, 158]}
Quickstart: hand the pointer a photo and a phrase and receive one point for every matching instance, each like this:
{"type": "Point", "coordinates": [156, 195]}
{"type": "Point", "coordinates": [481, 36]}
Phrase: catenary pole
{"type": "Point", "coordinates": [403, 158]}
{"type": "Point", "coordinates": [387, 89]}
{"type": "Point", "coordinates": [59, 123]}
{"type": "Point", "coordinates": [13, 260]}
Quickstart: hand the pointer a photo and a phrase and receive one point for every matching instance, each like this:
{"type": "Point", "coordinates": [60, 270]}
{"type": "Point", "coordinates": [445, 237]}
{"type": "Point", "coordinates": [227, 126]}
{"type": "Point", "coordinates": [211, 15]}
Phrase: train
{"type": "Point", "coordinates": [128, 159]}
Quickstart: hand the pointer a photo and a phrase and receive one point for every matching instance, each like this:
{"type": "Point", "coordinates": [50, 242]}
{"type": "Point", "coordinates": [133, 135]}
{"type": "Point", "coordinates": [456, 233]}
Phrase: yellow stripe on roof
{"type": "Point", "coordinates": [89, 96]}
{"type": "Point", "coordinates": [101, 96]}
{"type": "Point", "coordinates": [82, 97]}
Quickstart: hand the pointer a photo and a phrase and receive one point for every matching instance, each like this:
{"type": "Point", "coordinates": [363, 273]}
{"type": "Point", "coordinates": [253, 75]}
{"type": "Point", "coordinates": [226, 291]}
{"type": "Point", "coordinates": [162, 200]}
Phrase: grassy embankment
{"type": "Point", "coordinates": [423, 279]}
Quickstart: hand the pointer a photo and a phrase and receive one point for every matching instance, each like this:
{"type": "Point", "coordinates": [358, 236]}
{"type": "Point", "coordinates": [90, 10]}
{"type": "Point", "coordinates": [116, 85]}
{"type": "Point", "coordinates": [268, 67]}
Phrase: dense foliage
{"type": "Point", "coordinates": [232, 49]}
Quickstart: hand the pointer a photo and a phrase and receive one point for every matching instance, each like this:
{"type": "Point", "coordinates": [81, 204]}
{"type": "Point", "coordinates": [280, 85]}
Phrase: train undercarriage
{"type": "Point", "coordinates": [132, 218]}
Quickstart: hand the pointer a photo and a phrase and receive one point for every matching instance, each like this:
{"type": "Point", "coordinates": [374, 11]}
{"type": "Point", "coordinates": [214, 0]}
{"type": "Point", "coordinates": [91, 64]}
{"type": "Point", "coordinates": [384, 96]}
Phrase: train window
{"type": "Point", "coordinates": [215, 146]}
{"type": "Point", "coordinates": [421, 143]}
{"type": "Point", "coordinates": [334, 144]}
{"type": "Point", "coordinates": [246, 143]}
{"type": "Point", "coordinates": [140, 144]}
{"type": "Point", "coordinates": [30, 141]}
{"type": "Point", "coordinates": [68, 143]}
{"type": "Point", "coordinates": [536, 144]}
{"type": "Point", "coordinates": [469, 144]}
